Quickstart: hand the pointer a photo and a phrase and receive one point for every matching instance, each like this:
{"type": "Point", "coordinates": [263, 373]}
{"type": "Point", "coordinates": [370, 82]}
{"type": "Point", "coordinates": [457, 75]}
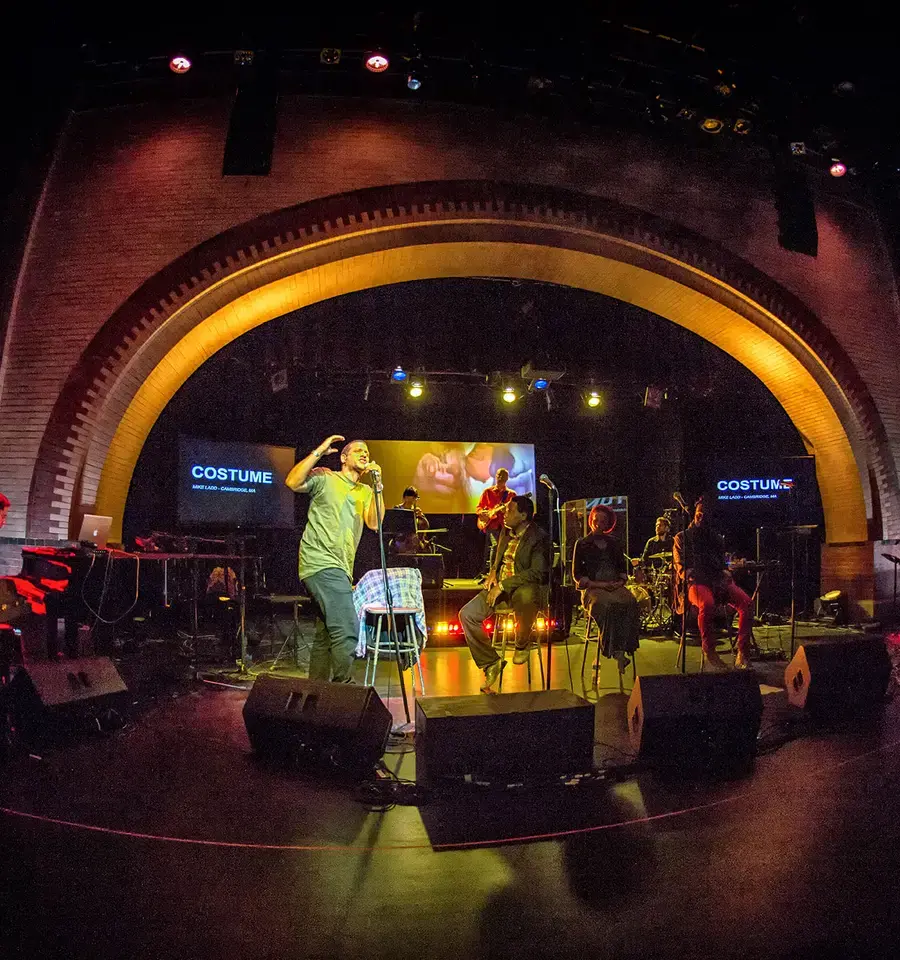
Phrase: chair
{"type": "Point", "coordinates": [506, 626]}
{"type": "Point", "coordinates": [374, 639]}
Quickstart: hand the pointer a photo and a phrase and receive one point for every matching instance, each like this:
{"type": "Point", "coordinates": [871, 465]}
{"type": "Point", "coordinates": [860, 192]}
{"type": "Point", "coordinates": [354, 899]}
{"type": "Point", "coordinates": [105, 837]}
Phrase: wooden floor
{"type": "Point", "coordinates": [167, 839]}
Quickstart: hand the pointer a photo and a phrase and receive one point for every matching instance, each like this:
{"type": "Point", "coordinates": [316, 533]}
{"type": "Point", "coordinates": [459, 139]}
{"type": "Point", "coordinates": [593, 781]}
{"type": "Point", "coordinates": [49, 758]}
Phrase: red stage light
{"type": "Point", "coordinates": [180, 64]}
{"type": "Point", "coordinates": [837, 169]}
{"type": "Point", "coordinates": [377, 62]}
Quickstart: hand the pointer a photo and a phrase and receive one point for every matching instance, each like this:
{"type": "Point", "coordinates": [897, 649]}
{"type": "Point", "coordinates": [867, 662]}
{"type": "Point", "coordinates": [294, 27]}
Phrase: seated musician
{"type": "Point", "coordinates": [661, 543]}
{"type": "Point", "coordinates": [600, 570]}
{"type": "Point", "coordinates": [699, 554]}
{"type": "Point", "coordinates": [411, 543]}
{"type": "Point", "coordinates": [521, 566]}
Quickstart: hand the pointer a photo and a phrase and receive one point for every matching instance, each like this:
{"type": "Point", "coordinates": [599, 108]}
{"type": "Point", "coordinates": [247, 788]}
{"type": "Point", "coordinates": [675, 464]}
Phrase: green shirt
{"type": "Point", "coordinates": [335, 524]}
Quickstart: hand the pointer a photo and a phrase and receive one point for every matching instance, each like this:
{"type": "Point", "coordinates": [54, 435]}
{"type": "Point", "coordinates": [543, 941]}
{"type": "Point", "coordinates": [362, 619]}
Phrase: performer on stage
{"type": "Point", "coordinates": [340, 504]}
{"type": "Point", "coordinates": [699, 553]}
{"type": "Point", "coordinates": [490, 515]}
{"type": "Point", "coordinates": [661, 543]}
{"type": "Point", "coordinates": [600, 569]}
{"type": "Point", "coordinates": [414, 542]}
{"type": "Point", "coordinates": [520, 568]}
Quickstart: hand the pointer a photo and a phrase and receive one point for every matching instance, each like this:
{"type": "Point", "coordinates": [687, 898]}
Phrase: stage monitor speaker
{"type": "Point", "coordinates": [510, 737]}
{"type": "Point", "coordinates": [331, 726]}
{"type": "Point", "coordinates": [700, 719]}
{"type": "Point", "coordinates": [63, 682]}
{"type": "Point", "coordinates": [838, 677]}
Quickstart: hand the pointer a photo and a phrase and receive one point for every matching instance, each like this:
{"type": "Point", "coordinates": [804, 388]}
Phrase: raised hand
{"type": "Point", "coordinates": [325, 448]}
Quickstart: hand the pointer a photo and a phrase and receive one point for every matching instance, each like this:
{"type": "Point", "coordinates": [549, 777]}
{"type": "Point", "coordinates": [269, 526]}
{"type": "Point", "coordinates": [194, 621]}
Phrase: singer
{"type": "Point", "coordinates": [340, 505]}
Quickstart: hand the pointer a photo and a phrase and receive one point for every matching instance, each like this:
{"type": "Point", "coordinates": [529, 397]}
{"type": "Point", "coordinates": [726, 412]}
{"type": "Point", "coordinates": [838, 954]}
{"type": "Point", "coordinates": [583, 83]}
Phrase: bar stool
{"type": "Point", "coordinates": [378, 641]}
{"type": "Point", "coordinates": [507, 626]}
{"type": "Point", "coordinates": [611, 612]}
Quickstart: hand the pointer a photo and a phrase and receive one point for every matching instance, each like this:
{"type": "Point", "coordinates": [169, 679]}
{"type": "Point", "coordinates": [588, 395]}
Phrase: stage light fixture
{"type": "Point", "coordinates": [414, 81]}
{"type": "Point", "coordinates": [798, 148]}
{"type": "Point", "coordinates": [540, 383]}
{"type": "Point", "coordinates": [593, 399]}
{"type": "Point", "coordinates": [330, 56]}
{"type": "Point", "coordinates": [837, 169]}
{"type": "Point", "coordinates": [243, 58]}
{"type": "Point", "coordinates": [509, 395]}
{"type": "Point", "coordinates": [712, 125]}
{"type": "Point", "coordinates": [416, 389]}
{"type": "Point", "coordinates": [398, 375]}
{"type": "Point", "coordinates": [376, 61]}
{"type": "Point", "coordinates": [742, 126]}
{"type": "Point", "coordinates": [180, 64]}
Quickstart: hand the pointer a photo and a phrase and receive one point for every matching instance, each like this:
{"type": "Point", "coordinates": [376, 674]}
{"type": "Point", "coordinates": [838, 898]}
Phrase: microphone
{"type": "Point", "coordinates": [547, 482]}
{"type": "Point", "coordinates": [677, 497]}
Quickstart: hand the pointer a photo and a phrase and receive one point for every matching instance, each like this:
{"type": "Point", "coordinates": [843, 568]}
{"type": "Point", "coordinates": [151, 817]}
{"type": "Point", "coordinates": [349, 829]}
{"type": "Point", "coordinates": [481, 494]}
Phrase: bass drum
{"type": "Point", "coordinates": [642, 595]}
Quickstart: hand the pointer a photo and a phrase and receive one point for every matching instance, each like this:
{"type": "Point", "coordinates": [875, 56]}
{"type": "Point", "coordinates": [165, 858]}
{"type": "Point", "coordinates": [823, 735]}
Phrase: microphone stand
{"type": "Point", "coordinates": [551, 490]}
{"type": "Point", "coordinates": [682, 645]}
{"type": "Point", "coordinates": [389, 603]}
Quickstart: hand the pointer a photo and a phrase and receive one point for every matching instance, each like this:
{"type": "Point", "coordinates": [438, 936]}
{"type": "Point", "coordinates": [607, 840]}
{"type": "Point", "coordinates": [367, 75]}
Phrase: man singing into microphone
{"type": "Point", "coordinates": [339, 506]}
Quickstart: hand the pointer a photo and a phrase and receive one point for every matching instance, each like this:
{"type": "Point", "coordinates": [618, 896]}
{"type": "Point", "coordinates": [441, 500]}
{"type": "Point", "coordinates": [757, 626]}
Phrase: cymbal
{"type": "Point", "coordinates": [660, 556]}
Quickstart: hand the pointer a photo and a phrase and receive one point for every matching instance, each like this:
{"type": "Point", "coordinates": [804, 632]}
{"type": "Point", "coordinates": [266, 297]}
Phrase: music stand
{"type": "Point", "coordinates": [399, 522]}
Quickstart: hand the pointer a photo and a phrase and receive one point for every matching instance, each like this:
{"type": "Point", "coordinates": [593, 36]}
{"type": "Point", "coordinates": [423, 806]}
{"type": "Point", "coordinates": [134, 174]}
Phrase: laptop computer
{"type": "Point", "coordinates": [95, 530]}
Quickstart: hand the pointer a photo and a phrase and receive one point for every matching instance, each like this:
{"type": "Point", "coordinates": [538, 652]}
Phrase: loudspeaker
{"type": "Point", "coordinates": [50, 698]}
{"type": "Point", "coordinates": [709, 719]}
{"type": "Point", "coordinates": [60, 683]}
{"type": "Point", "coordinates": [837, 677]}
{"type": "Point", "coordinates": [797, 230]}
{"type": "Point", "coordinates": [510, 737]}
{"type": "Point", "coordinates": [336, 726]}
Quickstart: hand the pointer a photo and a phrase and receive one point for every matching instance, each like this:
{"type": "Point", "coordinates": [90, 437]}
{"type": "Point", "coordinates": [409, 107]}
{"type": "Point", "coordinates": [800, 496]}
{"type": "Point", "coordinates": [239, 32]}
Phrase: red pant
{"type": "Point", "coordinates": [702, 598]}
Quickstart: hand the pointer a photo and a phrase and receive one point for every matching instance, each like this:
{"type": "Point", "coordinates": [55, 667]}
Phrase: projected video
{"type": "Point", "coordinates": [777, 490]}
{"type": "Point", "coordinates": [230, 484]}
{"type": "Point", "coordinates": [451, 477]}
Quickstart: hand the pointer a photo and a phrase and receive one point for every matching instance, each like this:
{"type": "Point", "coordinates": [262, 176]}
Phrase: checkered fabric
{"type": "Point", "coordinates": [406, 591]}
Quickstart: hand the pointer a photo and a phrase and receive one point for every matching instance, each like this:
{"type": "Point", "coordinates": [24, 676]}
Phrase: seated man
{"type": "Point", "coordinates": [699, 555]}
{"type": "Point", "coordinates": [520, 568]}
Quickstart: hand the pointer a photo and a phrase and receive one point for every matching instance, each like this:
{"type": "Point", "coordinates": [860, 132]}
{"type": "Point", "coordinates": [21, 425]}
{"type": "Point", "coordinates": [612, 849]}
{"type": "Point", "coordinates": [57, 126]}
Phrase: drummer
{"type": "Point", "coordinates": [658, 550]}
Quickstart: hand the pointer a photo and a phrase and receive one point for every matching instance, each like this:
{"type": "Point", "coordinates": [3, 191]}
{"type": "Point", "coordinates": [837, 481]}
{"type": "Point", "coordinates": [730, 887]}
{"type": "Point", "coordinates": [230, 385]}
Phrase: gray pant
{"type": "Point", "coordinates": [524, 602]}
{"type": "Point", "coordinates": [337, 625]}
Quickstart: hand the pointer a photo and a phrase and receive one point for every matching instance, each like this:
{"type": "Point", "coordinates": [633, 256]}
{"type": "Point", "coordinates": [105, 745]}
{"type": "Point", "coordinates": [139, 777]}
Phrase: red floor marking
{"type": "Point", "coordinates": [503, 841]}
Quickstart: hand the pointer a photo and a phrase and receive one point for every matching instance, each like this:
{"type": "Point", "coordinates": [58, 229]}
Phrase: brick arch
{"type": "Point", "coordinates": [296, 256]}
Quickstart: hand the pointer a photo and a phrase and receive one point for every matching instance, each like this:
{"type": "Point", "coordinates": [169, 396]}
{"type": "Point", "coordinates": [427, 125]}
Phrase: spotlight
{"type": "Point", "coordinates": [330, 56]}
{"type": "Point", "coordinates": [416, 389]}
{"type": "Point", "coordinates": [376, 61]}
{"type": "Point", "coordinates": [243, 58]}
{"type": "Point", "coordinates": [742, 126]}
{"type": "Point", "coordinates": [593, 399]}
{"type": "Point", "coordinates": [180, 64]}
{"type": "Point", "coordinates": [541, 384]}
{"type": "Point", "coordinates": [798, 148]}
{"type": "Point", "coordinates": [414, 81]}
{"type": "Point", "coordinates": [686, 113]}
{"type": "Point", "coordinates": [837, 169]}
{"type": "Point", "coordinates": [724, 89]}
{"type": "Point", "coordinates": [712, 125]}
{"type": "Point", "coordinates": [509, 395]}
{"type": "Point", "coordinates": [398, 375]}
{"type": "Point", "coordinates": [832, 607]}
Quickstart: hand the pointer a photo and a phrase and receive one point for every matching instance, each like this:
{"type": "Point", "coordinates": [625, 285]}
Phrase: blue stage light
{"type": "Point", "coordinates": [398, 375]}
{"type": "Point", "coordinates": [541, 384]}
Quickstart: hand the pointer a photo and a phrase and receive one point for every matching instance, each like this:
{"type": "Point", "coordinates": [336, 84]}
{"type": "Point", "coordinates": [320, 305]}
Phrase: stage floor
{"type": "Point", "coordinates": [166, 839]}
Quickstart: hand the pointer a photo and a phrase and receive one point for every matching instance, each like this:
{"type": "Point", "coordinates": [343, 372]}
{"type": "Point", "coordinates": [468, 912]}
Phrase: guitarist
{"type": "Point", "coordinates": [490, 510]}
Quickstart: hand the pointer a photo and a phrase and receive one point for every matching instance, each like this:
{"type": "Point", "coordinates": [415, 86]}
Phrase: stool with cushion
{"type": "Point", "coordinates": [506, 628]}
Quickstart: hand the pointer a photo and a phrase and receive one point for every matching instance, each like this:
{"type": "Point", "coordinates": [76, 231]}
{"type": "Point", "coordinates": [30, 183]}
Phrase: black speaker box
{"type": "Point", "coordinates": [509, 737]}
{"type": "Point", "coordinates": [333, 726]}
{"type": "Point", "coordinates": [838, 677]}
{"type": "Point", "coordinates": [695, 719]}
{"type": "Point", "coordinates": [64, 682]}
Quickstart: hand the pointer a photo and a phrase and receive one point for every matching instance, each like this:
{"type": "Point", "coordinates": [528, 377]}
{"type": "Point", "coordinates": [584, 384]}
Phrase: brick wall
{"type": "Point", "coordinates": [134, 188]}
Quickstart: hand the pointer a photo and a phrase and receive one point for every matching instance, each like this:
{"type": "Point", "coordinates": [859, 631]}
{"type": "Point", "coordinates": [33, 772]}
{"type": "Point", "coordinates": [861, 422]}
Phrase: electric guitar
{"type": "Point", "coordinates": [485, 516]}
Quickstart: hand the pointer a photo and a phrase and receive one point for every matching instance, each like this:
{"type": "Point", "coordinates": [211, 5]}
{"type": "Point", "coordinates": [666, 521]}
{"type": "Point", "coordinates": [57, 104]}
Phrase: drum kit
{"type": "Point", "coordinates": [652, 585]}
